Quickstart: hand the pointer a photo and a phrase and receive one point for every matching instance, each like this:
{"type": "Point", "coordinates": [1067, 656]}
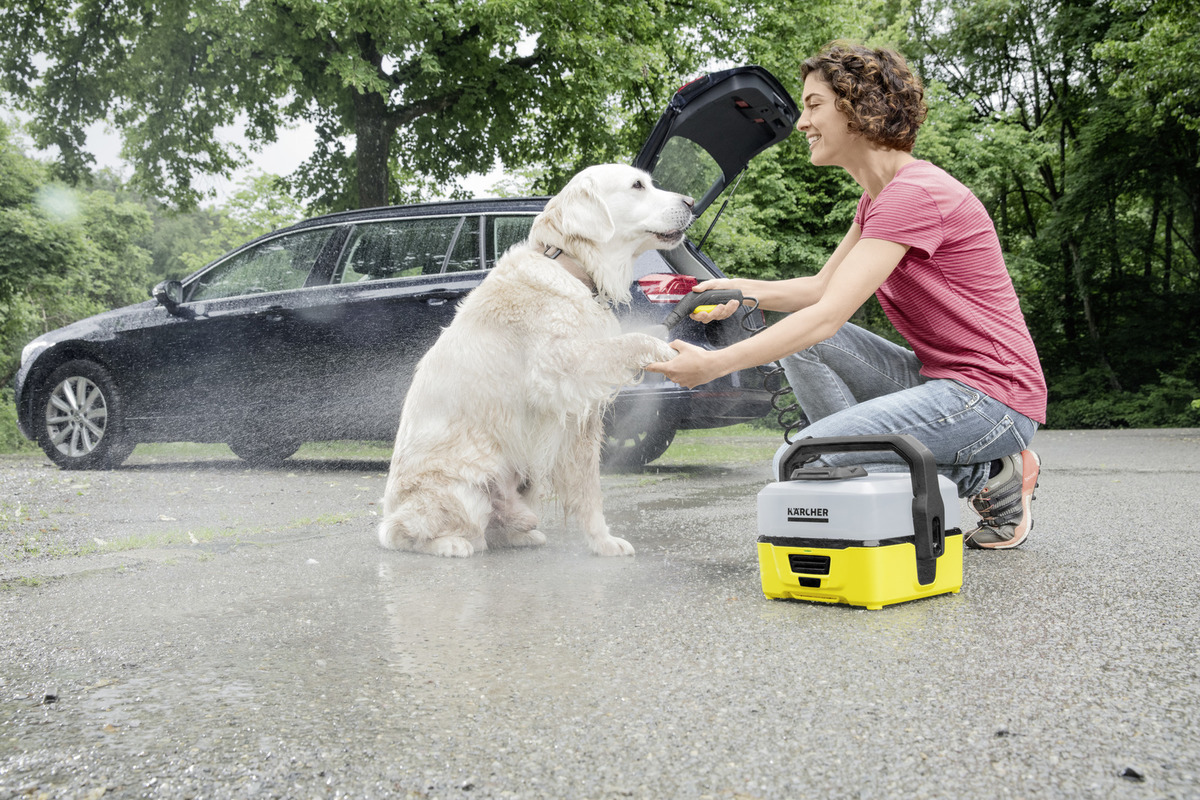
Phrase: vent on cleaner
{"type": "Point", "coordinates": [809, 565]}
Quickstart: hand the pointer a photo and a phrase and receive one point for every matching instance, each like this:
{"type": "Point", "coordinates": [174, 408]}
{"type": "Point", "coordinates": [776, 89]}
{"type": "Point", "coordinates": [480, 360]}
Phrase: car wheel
{"type": "Point", "coordinates": [81, 423]}
{"type": "Point", "coordinates": [263, 452]}
{"type": "Point", "coordinates": [633, 449]}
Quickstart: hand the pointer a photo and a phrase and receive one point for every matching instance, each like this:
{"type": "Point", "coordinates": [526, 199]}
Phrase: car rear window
{"type": "Point", "coordinates": [687, 168]}
{"type": "Point", "coordinates": [504, 232]}
{"type": "Point", "coordinates": [680, 260]}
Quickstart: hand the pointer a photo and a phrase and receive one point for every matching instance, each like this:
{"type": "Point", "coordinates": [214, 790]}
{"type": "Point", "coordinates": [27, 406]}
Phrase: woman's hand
{"type": "Point", "coordinates": [721, 310]}
{"type": "Point", "coordinates": [692, 367]}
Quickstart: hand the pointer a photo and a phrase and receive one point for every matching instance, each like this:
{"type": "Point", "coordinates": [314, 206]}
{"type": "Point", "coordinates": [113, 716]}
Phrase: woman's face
{"type": "Point", "coordinates": [823, 125]}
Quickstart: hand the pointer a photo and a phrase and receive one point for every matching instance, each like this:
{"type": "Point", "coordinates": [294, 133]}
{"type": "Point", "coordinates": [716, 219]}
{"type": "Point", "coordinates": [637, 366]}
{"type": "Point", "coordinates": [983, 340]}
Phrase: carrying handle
{"type": "Point", "coordinates": [928, 510]}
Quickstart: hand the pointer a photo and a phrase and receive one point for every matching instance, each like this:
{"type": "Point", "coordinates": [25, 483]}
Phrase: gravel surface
{"type": "Point", "coordinates": [198, 629]}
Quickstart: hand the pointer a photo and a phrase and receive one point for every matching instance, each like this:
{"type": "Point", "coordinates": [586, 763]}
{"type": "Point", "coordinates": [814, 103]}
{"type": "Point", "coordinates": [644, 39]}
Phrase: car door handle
{"type": "Point", "coordinates": [273, 313]}
{"type": "Point", "coordinates": [439, 297]}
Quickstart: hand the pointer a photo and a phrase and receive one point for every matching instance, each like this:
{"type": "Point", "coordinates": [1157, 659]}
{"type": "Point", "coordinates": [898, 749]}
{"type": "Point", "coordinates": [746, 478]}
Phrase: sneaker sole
{"type": "Point", "coordinates": [1028, 476]}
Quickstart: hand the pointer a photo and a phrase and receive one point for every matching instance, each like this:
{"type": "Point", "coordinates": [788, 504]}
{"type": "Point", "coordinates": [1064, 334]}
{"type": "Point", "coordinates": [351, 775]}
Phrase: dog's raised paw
{"type": "Point", "coordinates": [612, 546]}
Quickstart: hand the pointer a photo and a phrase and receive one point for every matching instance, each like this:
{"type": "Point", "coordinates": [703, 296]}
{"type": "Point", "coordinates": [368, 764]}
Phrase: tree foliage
{"type": "Point", "coordinates": [67, 253]}
{"type": "Point", "coordinates": [64, 255]}
{"type": "Point", "coordinates": [1076, 122]}
{"type": "Point", "coordinates": [1150, 60]}
{"type": "Point", "coordinates": [1081, 139]}
{"type": "Point", "coordinates": [401, 91]}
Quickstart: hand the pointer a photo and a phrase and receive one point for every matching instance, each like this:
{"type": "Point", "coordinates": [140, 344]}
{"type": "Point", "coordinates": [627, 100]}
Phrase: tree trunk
{"type": "Point", "coordinates": [1168, 252]}
{"type": "Point", "coordinates": [373, 140]}
{"type": "Point", "coordinates": [1151, 240]}
{"type": "Point", "coordinates": [1089, 317]}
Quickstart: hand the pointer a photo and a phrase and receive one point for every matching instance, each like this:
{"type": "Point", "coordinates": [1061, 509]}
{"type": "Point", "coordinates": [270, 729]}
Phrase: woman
{"type": "Point", "coordinates": [971, 389]}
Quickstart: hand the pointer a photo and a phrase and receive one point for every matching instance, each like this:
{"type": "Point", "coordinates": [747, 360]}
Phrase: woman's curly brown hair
{"type": "Point", "coordinates": [883, 99]}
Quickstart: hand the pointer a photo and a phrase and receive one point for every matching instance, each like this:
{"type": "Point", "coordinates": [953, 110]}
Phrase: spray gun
{"type": "Point", "coordinates": [699, 302]}
{"type": "Point", "coordinates": [790, 417]}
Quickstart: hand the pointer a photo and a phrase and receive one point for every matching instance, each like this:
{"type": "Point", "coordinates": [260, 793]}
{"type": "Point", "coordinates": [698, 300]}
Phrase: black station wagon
{"type": "Point", "coordinates": [312, 332]}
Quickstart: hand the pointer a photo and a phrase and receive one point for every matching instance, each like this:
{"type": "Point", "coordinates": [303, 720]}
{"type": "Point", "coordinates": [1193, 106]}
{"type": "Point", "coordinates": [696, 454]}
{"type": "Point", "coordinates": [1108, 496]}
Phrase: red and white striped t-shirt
{"type": "Point", "coordinates": [951, 296]}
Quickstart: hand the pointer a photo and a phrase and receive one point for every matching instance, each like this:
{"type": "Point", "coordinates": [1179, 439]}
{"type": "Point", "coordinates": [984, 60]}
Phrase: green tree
{"type": "Point", "coordinates": [64, 254]}
{"type": "Point", "coordinates": [428, 88]}
{"type": "Point", "coordinates": [786, 216]}
{"type": "Point", "coordinates": [1150, 59]}
{"type": "Point", "coordinates": [1095, 197]}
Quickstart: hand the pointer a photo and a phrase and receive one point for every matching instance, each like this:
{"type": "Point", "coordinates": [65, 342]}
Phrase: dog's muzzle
{"type": "Point", "coordinates": [670, 237]}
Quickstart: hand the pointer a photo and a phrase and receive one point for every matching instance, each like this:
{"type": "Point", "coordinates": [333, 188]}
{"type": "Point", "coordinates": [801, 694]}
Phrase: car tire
{"type": "Point", "coordinates": [630, 450]}
{"type": "Point", "coordinates": [263, 452]}
{"type": "Point", "coordinates": [80, 421]}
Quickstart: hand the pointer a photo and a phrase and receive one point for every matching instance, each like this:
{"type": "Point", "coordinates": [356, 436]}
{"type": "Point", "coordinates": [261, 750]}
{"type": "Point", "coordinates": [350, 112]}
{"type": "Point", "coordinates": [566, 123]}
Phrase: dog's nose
{"type": "Point", "coordinates": [687, 201]}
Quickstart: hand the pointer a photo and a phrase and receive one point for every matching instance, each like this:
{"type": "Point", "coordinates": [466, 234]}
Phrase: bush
{"type": "Point", "coordinates": [11, 440]}
{"type": "Point", "coordinates": [1082, 401]}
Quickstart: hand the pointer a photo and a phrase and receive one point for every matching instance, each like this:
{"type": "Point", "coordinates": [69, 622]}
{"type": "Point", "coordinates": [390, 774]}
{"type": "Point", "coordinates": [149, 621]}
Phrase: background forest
{"type": "Point", "coordinates": [1076, 122]}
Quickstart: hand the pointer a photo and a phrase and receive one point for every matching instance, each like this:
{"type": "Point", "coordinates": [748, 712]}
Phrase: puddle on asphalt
{"type": "Point", "coordinates": [413, 638]}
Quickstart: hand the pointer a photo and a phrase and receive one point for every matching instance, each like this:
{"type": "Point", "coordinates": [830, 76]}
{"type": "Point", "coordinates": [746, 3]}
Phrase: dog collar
{"type": "Point", "coordinates": [571, 266]}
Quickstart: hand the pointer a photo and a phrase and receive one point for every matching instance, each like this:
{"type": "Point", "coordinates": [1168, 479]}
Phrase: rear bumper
{"type": "Point", "coordinates": [737, 398]}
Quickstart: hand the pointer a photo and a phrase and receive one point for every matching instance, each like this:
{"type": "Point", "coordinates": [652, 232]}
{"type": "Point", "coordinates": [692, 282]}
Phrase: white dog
{"type": "Point", "coordinates": [508, 404]}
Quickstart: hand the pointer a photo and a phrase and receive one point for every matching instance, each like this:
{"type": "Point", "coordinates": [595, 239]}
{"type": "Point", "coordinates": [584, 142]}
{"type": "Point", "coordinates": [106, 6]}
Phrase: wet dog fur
{"type": "Point", "coordinates": [507, 407]}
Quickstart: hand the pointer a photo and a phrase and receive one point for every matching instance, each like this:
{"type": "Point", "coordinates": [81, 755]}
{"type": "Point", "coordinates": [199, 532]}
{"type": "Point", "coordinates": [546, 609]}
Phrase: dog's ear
{"type": "Point", "coordinates": [582, 212]}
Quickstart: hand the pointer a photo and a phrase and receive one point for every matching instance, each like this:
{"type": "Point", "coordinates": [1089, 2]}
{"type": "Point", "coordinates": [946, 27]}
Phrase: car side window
{"type": "Point", "coordinates": [402, 248]}
{"type": "Point", "coordinates": [465, 255]}
{"type": "Point", "coordinates": [275, 265]}
{"type": "Point", "coordinates": [507, 231]}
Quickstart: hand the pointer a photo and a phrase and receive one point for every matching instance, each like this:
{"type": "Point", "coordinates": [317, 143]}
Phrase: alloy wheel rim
{"type": "Point", "coordinates": [76, 417]}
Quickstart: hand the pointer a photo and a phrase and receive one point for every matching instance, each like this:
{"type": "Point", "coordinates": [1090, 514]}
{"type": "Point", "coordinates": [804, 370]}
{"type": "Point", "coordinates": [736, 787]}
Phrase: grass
{"type": "Point", "coordinates": [206, 535]}
{"type": "Point", "coordinates": [737, 444]}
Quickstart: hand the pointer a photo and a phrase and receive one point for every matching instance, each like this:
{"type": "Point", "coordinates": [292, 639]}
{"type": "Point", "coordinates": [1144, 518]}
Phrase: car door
{"type": "Point", "coordinates": [395, 286]}
{"type": "Point", "coordinates": [231, 355]}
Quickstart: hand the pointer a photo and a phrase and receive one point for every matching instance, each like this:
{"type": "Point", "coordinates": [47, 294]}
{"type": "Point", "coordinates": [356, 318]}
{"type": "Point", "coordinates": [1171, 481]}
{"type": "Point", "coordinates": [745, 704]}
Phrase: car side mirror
{"type": "Point", "coordinates": [169, 295]}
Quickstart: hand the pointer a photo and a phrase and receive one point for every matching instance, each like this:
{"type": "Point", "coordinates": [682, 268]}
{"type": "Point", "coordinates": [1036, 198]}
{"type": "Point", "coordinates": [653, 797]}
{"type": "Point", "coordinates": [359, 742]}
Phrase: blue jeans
{"type": "Point", "coordinates": [856, 383]}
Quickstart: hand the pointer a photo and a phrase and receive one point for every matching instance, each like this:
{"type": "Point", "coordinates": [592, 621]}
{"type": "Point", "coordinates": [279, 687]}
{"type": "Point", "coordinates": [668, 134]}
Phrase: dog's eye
{"type": "Point", "coordinates": [639, 185]}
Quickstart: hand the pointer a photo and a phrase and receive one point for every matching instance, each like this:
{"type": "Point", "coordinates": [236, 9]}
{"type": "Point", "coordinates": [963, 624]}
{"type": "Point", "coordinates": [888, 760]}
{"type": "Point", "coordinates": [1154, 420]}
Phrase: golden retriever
{"type": "Point", "coordinates": [508, 405]}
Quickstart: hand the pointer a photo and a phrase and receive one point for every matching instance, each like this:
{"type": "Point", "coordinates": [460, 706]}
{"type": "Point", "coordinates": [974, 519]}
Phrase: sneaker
{"type": "Point", "coordinates": [1005, 504]}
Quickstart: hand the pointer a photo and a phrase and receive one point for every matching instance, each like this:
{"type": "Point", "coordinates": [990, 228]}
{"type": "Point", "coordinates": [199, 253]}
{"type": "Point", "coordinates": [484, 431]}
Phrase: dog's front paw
{"type": "Point", "coordinates": [664, 352]}
{"type": "Point", "coordinates": [527, 539]}
{"type": "Point", "coordinates": [446, 546]}
{"type": "Point", "coordinates": [612, 546]}
{"type": "Point", "coordinates": [647, 350]}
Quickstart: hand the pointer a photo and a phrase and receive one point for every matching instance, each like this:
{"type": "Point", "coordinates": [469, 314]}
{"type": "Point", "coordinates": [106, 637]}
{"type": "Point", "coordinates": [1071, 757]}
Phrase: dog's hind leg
{"type": "Point", "coordinates": [514, 523]}
{"type": "Point", "coordinates": [445, 522]}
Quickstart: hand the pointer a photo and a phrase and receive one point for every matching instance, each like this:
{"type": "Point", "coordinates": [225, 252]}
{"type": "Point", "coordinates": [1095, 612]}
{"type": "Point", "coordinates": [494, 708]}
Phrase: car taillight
{"type": "Point", "coordinates": [666, 288]}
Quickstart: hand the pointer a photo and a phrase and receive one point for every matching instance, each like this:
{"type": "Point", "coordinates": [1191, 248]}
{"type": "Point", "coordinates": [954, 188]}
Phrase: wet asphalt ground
{"type": "Point", "coordinates": [195, 628]}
